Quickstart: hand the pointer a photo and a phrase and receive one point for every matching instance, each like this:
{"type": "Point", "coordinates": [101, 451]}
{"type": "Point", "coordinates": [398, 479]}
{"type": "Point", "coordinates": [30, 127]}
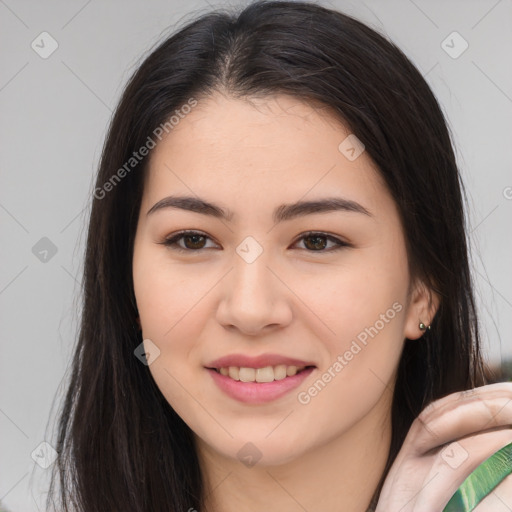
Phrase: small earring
{"type": "Point", "coordinates": [424, 327]}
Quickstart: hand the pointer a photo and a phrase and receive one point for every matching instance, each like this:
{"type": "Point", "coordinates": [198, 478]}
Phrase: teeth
{"type": "Point", "coordinates": [234, 372]}
{"type": "Point", "coordinates": [247, 374]}
{"type": "Point", "coordinates": [280, 372]}
{"type": "Point", "coordinates": [291, 371]}
{"type": "Point", "coordinates": [266, 374]}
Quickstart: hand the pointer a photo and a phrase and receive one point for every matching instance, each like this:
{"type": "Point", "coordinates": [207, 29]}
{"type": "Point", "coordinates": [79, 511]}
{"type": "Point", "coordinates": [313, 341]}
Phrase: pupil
{"type": "Point", "coordinates": [316, 242]}
{"type": "Point", "coordinates": [195, 237]}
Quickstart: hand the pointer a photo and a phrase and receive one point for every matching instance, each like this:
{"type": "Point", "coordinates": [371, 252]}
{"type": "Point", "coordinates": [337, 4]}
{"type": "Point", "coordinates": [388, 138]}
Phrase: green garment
{"type": "Point", "coordinates": [481, 481]}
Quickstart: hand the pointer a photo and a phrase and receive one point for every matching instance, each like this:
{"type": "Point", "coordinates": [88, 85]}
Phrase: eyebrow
{"type": "Point", "coordinates": [282, 213]}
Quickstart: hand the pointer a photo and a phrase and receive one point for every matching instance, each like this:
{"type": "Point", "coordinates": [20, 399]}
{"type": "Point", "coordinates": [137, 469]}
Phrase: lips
{"type": "Point", "coordinates": [258, 379]}
{"type": "Point", "coordinates": [261, 361]}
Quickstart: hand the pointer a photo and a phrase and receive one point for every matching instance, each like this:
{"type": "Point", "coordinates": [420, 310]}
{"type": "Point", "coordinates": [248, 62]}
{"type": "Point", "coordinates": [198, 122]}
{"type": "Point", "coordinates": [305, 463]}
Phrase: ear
{"type": "Point", "coordinates": [423, 307]}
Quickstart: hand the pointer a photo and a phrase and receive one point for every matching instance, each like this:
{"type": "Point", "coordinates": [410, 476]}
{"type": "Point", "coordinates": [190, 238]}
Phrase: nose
{"type": "Point", "coordinates": [254, 298]}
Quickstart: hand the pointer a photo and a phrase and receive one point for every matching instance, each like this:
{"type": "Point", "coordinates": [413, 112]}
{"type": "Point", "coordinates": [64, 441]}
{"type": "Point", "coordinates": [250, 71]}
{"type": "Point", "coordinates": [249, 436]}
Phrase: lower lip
{"type": "Point", "coordinates": [258, 392]}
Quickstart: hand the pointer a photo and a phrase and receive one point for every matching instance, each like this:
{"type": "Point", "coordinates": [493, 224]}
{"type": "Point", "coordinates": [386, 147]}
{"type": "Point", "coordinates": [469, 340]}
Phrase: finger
{"type": "Point", "coordinates": [454, 463]}
{"type": "Point", "coordinates": [459, 420]}
{"type": "Point", "coordinates": [438, 406]}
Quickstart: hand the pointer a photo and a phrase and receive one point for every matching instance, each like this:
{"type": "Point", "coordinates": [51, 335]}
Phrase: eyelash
{"type": "Point", "coordinates": [171, 242]}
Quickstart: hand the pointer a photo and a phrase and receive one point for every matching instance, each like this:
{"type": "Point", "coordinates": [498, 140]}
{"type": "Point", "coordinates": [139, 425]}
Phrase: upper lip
{"type": "Point", "coordinates": [261, 361]}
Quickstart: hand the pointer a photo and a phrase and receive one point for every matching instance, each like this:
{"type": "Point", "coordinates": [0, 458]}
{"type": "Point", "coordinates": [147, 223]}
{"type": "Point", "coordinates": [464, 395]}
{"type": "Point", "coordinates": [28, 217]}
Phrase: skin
{"type": "Point", "coordinates": [250, 157]}
{"type": "Point", "coordinates": [450, 439]}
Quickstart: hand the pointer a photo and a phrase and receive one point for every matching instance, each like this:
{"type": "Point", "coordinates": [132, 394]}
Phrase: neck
{"type": "Point", "coordinates": [341, 474]}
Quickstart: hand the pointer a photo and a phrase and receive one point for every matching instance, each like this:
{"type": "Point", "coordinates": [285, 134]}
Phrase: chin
{"type": "Point", "coordinates": [258, 450]}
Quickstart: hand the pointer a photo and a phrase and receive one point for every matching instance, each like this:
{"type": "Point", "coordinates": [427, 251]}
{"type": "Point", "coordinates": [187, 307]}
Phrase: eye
{"type": "Point", "coordinates": [317, 241]}
{"type": "Point", "coordinates": [195, 241]}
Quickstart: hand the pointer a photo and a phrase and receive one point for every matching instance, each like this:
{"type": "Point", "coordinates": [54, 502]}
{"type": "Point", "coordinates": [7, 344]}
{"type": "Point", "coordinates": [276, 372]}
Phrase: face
{"type": "Point", "coordinates": [307, 307]}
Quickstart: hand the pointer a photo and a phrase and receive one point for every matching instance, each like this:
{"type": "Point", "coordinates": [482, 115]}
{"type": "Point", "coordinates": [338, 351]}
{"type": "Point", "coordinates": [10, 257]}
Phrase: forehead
{"type": "Point", "coordinates": [243, 151]}
{"type": "Point", "coordinates": [279, 125]}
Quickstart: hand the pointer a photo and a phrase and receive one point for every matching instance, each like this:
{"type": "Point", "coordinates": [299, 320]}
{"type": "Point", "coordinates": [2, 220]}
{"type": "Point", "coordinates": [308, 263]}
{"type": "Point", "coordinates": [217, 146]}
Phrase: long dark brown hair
{"type": "Point", "coordinates": [121, 446]}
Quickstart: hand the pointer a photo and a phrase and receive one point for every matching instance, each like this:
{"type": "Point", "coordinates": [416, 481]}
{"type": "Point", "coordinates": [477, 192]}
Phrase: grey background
{"type": "Point", "coordinates": [54, 114]}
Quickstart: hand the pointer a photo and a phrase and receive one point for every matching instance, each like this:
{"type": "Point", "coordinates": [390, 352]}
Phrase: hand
{"type": "Point", "coordinates": [446, 442]}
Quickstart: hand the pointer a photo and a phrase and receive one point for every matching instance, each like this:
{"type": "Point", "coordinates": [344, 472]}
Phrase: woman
{"type": "Point", "coordinates": [278, 309]}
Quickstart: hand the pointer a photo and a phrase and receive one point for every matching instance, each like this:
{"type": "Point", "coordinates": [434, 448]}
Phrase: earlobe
{"type": "Point", "coordinates": [422, 310]}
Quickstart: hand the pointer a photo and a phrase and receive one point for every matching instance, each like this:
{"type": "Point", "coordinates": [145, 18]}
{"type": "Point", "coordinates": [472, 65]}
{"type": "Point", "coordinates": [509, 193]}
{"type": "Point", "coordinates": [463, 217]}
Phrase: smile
{"type": "Point", "coordinates": [252, 391]}
{"type": "Point", "coordinates": [265, 374]}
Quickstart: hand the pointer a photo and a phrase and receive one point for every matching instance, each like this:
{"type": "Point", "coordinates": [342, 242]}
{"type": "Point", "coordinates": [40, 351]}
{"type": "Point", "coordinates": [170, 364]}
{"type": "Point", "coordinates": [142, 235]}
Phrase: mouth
{"type": "Point", "coordinates": [261, 375]}
{"type": "Point", "coordinates": [258, 380]}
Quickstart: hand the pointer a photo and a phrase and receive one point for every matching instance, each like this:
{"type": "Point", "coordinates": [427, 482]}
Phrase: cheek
{"type": "Point", "coordinates": [367, 317]}
{"type": "Point", "coordinates": [364, 307]}
{"type": "Point", "coordinates": [169, 305]}
{"type": "Point", "coordinates": [173, 319]}
{"type": "Point", "coordinates": [174, 325]}
{"type": "Point", "coordinates": [362, 300]}
{"type": "Point", "coordinates": [167, 293]}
